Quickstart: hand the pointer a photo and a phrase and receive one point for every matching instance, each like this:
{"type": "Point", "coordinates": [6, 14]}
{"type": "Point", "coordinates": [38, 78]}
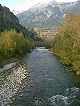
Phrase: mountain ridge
{"type": "Point", "coordinates": [47, 15]}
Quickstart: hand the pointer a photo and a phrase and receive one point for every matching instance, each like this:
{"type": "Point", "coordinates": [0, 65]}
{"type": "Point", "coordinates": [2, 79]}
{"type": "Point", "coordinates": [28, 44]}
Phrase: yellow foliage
{"type": "Point", "coordinates": [13, 44]}
{"type": "Point", "coordinates": [67, 42]}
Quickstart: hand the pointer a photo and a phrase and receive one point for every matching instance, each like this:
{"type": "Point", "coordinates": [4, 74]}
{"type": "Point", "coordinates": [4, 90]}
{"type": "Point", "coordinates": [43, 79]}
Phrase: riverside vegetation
{"type": "Point", "coordinates": [15, 40]}
{"type": "Point", "coordinates": [66, 44]}
{"type": "Point", "coordinates": [13, 44]}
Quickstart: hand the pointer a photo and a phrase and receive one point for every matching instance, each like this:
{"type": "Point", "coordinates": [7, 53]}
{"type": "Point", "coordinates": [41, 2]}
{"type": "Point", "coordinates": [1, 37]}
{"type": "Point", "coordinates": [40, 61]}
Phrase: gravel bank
{"type": "Point", "coordinates": [11, 81]}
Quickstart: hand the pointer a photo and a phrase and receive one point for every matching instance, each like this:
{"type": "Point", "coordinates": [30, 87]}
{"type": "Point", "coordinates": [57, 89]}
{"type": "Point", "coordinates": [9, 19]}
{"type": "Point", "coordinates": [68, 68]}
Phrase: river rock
{"type": "Point", "coordinates": [11, 84]}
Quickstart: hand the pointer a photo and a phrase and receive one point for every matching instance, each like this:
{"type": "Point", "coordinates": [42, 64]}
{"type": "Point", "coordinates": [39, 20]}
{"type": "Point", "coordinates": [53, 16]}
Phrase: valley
{"type": "Point", "coordinates": [49, 14]}
{"type": "Point", "coordinates": [40, 54]}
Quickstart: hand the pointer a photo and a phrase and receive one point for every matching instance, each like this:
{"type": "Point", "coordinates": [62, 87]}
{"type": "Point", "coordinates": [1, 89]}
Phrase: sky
{"type": "Point", "coordinates": [22, 5]}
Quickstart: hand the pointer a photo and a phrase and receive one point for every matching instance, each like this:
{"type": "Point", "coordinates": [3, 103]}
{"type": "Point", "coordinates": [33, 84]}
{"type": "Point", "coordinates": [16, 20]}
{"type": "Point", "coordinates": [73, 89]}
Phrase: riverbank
{"type": "Point", "coordinates": [14, 45]}
{"type": "Point", "coordinates": [66, 44]}
{"type": "Point", "coordinates": [12, 81]}
{"type": "Point", "coordinates": [52, 82]}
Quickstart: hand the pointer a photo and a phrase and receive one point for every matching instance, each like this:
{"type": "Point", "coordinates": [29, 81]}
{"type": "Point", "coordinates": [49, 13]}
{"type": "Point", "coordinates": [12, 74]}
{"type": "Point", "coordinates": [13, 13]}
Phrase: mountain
{"type": "Point", "coordinates": [9, 21]}
{"type": "Point", "coordinates": [74, 9]}
{"type": "Point", "coordinates": [41, 15]}
{"type": "Point", "coordinates": [48, 15]}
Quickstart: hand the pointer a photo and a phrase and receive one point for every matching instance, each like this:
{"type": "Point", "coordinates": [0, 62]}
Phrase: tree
{"type": "Point", "coordinates": [13, 44]}
{"type": "Point", "coordinates": [67, 42]}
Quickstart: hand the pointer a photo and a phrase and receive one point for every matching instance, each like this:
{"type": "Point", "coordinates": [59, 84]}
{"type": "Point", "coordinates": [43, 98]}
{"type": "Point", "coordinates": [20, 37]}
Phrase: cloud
{"type": "Point", "coordinates": [66, 0]}
{"type": "Point", "coordinates": [22, 5]}
{"type": "Point", "coordinates": [28, 3]}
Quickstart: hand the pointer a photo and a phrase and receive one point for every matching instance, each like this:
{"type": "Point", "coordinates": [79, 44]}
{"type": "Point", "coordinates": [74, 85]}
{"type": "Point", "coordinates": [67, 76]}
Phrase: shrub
{"type": "Point", "coordinates": [67, 42]}
{"type": "Point", "coordinates": [13, 44]}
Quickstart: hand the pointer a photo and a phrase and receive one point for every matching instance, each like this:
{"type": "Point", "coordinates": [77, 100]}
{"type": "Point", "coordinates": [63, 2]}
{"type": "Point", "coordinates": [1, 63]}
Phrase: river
{"type": "Point", "coordinates": [52, 83]}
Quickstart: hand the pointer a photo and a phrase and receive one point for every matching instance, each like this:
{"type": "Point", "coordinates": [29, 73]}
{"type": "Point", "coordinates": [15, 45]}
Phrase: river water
{"type": "Point", "coordinates": [52, 83]}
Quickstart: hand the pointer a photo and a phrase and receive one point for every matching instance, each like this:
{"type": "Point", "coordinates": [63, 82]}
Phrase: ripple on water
{"type": "Point", "coordinates": [50, 81]}
{"type": "Point", "coordinates": [60, 100]}
{"type": "Point", "coordinates": [71, 97]}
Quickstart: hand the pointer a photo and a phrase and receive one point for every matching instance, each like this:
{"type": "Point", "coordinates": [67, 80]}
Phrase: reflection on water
{"type": "Point", "coordinates": [52, 83]}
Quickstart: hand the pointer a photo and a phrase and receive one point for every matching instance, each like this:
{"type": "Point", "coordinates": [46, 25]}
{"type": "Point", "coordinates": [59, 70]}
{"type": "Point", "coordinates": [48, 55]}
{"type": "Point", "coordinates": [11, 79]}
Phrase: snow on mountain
{"type": "Point", "coordinates": [47, 15]}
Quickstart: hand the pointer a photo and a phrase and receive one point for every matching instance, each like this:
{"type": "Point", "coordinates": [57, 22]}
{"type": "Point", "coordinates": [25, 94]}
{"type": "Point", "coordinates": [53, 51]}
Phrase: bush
{"type": "Point", "coordinates": [13, 44]}
{"type": "Point", "coordinates": [67, 42]}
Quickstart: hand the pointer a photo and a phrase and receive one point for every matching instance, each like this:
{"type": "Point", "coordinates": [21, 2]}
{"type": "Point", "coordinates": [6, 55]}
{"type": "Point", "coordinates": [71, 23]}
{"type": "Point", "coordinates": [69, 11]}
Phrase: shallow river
{"type": "Point", "coordinates": [52, 83]}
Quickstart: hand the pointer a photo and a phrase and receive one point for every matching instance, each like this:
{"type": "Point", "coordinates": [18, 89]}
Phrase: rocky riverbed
{"type": "Point", "coordinates": [52, 83]}
{"type": "Point", "coordinates": [12, 81]}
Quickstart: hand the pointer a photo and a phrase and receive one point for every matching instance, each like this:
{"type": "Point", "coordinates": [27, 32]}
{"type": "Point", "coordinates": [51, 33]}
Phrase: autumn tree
{"type": "Point", "coordinates": [13, 44]}
{"type": "Point", "coordinates": [67, 42]}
